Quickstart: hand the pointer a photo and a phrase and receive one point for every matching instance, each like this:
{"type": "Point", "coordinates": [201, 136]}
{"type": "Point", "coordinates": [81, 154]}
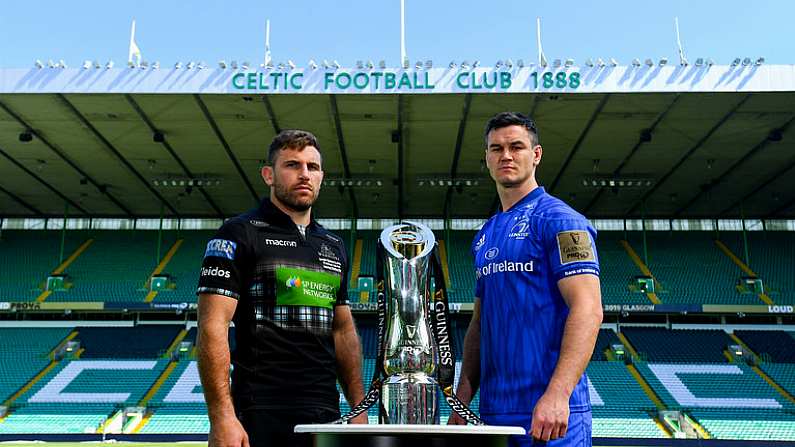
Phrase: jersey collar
{"type": "Point", "coordinates": [272, 214]}
{"type": "Point", "coordinates": [531, 196]}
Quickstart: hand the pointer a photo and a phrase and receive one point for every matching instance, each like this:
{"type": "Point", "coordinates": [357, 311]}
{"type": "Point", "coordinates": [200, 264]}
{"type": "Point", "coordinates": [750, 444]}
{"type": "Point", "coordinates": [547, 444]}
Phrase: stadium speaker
{"type": "Point", "coordinates": [158, 137]}
{"type": "Point", "coordinates": [26, 136]}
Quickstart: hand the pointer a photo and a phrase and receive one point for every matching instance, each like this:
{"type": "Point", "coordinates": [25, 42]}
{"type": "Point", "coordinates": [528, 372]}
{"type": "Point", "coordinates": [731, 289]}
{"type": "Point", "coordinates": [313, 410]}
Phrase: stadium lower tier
{"type": "Point", "coordinates": [117, 267]}
{"type": "Point", "coordinates": [145, 387]}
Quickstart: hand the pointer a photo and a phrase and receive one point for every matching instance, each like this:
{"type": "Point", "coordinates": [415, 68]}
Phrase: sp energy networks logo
{"type": "Point", "coordinates": [293, 281]}
{"type": "Point", "coordinates": [301, 287]}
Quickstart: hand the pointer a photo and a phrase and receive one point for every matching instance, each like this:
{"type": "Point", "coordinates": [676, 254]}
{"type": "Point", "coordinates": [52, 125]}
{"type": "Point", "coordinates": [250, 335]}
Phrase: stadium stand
{"type": "Point", "coordinates": [773, 346]}
{"type": "Point", "coordinates": [604, 341]}
{"type": "Point", "coordinates": [620, 407]}
{"type": "Point", "coordinates": [184, 266]}
{"type": "Point", "coordinates": [143, 341]}
{"type": "Point", "coordinates": [460, 265]}
{"type": "Point", "coordinates": [691, 269]}
{"type": "Point", "coordinates": [27, 258]}
{"type": "Point", "coordinates": [772, 257]}
{"type": "Point", "coordinates": [679, 346]}
{"type": "Point", "coordinates": [617, 271]}
{"type": "Point", "coordinates": [24, 353]}
{"type": "Point", "coordinates": [114, 268]}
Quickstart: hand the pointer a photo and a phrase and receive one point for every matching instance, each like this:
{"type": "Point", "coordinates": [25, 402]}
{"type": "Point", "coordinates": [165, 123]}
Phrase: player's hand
{"type": "Point", "coordinates": [455, 419]}
{"type": "Point", "coordinates": [360, 419]}
{"type": "Point", "coordinates": [550, 416]}
{"type": "Point", "coordinates": [227, 432]}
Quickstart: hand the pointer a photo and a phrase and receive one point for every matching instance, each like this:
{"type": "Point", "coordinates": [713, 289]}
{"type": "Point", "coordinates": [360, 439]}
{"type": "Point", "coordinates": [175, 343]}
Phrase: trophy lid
{"type": "Point", "coordinates": [408, 240]}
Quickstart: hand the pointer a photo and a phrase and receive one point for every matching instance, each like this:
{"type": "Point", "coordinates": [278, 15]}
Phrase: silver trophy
{"type": "Point", "coordinates": [409, 392]}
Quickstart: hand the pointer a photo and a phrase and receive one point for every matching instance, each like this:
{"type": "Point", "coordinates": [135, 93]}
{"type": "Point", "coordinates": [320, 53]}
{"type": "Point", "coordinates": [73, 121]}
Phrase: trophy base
{"type": "Point", "coordinates": [410, 399]}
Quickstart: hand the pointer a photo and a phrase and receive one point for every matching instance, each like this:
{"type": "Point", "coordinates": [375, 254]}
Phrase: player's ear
{"type": "Point", "coordinates": [267, 175]}
{"type": "Point", "coordinates": [538, 151]}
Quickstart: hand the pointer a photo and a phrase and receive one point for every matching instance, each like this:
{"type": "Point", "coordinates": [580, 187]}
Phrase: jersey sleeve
{"type": "Point", "coordinates": [570, 245]}
{"type": "Point", "coordinates": [342, 293]}
{"type": "Point", "coordinates": [225, 262]}
{"type": "Point", "coordinates": [477, 243]}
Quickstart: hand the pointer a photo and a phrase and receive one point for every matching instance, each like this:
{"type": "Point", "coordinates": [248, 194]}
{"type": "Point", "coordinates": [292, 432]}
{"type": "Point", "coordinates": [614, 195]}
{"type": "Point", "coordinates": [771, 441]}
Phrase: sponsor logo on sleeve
{"type": "Point", "coordinates": [215, 271]}
{"type": "Point", "coordinates": [221, 248]}
{"type": "Point", "coordinates": [575, 246]}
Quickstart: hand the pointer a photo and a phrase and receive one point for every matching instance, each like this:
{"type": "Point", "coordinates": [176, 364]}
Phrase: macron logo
{"type": "Point", "coordinates": [281, 243]}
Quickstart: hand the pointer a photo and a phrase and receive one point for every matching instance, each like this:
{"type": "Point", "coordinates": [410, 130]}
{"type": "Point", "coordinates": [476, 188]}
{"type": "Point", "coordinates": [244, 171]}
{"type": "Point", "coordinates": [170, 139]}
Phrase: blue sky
{"type": "Point", "coordinates": [203, 30]}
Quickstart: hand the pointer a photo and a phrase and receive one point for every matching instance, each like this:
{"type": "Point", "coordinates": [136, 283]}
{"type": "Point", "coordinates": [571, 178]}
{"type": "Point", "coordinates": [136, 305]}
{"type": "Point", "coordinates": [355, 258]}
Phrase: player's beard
{"type": "Point", "coordinates": [291, 199]}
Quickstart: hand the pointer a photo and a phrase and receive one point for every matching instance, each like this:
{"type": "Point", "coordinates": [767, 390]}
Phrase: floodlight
{"type": "Point", "coordinates": [636, 62]}
{"type": "Point", "coordinates": [190, 65]}
{"type": "Point", "coordinates": [760, 61]}
{"type": "Point", "coordinates": [663, 61]}
{"type": "Point", "coordinates": [747, 61]}
{"type": "Point", "coordinates": [600, 62]}
{"type": "Point", "coordinates": [86, 65]}
{"type": "Point", "coordinates": [452, 64]}
{"type": "Point", "coordinates": [736, 62]}
{"type": "Point", "coordinates": [312, 64]}
{"type": "Point", "coordinates": [39, 64]}
{"type": "Point", "coordinates": [109, 65]}
{"type": "Point", "coordinates": [613, 62]}
{"type": "Point", "coordinates": [178, 65]}
{"type": "Point", "coordinates": [649, 62]}
{"type": "Point", "coordinates": [589, 62]}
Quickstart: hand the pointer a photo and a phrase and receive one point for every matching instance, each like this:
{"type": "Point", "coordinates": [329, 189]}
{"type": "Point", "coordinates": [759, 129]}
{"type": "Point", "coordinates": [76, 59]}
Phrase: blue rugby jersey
{"type": "Point", "coordinates": [520, 254]}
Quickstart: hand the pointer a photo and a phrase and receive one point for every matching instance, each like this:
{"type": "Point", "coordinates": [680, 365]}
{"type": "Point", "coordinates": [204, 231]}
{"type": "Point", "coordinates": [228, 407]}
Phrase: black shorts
{"type": "Point", "coordinates": [274, 428]}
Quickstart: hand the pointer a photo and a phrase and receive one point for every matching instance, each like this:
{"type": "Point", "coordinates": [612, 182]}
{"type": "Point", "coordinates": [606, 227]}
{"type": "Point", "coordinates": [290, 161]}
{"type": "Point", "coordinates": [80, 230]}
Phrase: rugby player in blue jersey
{"type": "Point", "coordinates": [538, 304]}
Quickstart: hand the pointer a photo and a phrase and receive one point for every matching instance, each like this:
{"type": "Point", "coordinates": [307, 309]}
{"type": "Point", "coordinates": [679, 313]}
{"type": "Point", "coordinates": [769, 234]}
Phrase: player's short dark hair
{"type": "Point", "coordinates": [291, 139]}
{"type": "Point", "coordinates": [505, 119]}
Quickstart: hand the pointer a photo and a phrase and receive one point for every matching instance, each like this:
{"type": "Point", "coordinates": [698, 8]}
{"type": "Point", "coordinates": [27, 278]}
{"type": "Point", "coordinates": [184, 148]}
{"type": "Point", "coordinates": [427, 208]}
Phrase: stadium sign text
{"type": "Point", "coordinates": [345, 81]}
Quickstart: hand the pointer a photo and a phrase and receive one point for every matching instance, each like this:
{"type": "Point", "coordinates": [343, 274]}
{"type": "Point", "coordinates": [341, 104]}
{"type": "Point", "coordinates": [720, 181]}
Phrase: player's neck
{"type": "Point", "coordinates": [298, 217]}
{"type": "Point", "coordinates": [510, 195]}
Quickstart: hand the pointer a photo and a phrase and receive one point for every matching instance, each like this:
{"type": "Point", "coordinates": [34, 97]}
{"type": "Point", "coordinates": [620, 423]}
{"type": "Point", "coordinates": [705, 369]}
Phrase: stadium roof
{"type": "Point", "coordinates": [709, 141]}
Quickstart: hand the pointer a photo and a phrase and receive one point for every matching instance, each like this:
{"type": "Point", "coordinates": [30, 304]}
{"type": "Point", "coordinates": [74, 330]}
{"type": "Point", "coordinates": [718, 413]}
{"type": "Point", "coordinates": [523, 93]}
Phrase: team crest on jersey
{"type": "Point", "coordinates": [575, 246]}
{"type": "Point", "coordinates": [221, 248]}
{"type": "Point", "coordinates": [520, 229]}
{"type": "Point", "coordinates": [492, 253]}
{"type": "Point", "coordinates": [480, 243]}
{"type": "Point", "coordinates": [329, 259]}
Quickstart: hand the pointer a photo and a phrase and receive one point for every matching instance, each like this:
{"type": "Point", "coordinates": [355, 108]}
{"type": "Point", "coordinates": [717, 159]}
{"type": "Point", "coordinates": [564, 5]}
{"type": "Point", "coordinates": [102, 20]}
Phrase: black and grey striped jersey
{"type": "Point", "coordinates": [287, 286]}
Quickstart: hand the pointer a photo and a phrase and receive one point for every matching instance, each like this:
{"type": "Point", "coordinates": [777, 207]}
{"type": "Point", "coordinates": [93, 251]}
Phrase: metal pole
{"type": "Point", "coordinates": [63, 232]}
{"type": "Point", "coordinates": [159, 234]}
{"type": "Point", "coordinates": [745, 236]}
{"type": "Point", "coordinates": [643, 228]}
